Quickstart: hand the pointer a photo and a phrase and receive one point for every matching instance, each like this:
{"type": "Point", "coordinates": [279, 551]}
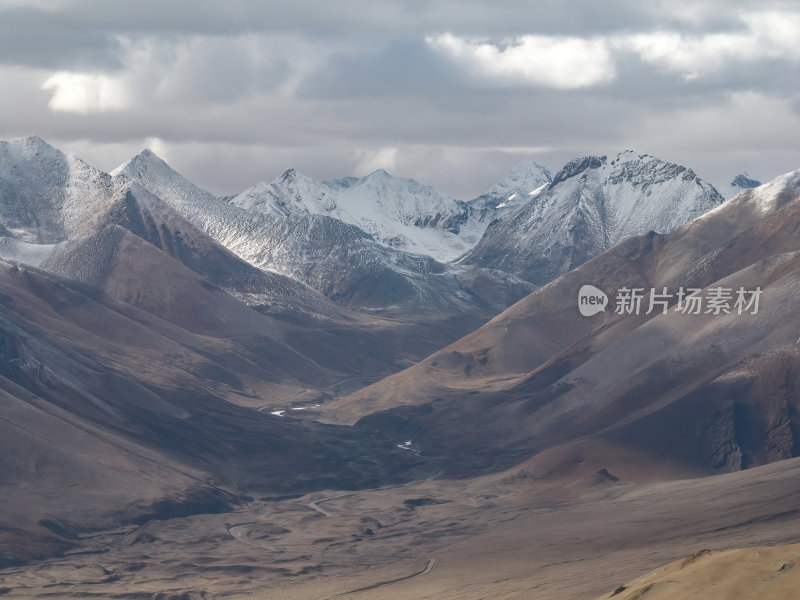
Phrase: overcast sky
{"type": "Point", "coordinates": [450, 92]}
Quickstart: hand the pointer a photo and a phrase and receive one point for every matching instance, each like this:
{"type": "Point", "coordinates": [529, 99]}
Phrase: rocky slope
{"type": "Point", "coordinates": [115, 236]}
{"type": "Point", "coordinates": [520, 186]}
{"type": "Point", "coordinates": [738, 574]}
{"type": "Point", "coordinates": [589, 206]}
{"type": "Point", "coordinates": [710, 392]}
{"type": "Point", "coordinates": [279, 227]}
{"type": "Point", "coordinates": [737, 185]}
{"type": "Point", "coordinates": [397, 213]}
{"type": "Point", "coordinates": [49, 199]}
{"type": "Point", "coordinates": [112, 415]}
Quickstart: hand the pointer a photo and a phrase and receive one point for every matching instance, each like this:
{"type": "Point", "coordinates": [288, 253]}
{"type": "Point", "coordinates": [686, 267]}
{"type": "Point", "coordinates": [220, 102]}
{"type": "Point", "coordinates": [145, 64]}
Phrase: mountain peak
{"type": "Point", "coordinates": [380, 174]}
{"type": "Point", "coordinates": [292, 178]}
{"type": "Point", "coordinates": [145, 159]}
{"type": "Point", "coordinates": [288, 175]}
{"type": "Point", "coordinates": [291, 174]}
{"type": "Point", "coordinates": [744, 181]}
{"type": "Point", "coordinates": [528, 167]}
{"type": "Point", "coordinates": [35, 140]}
{"type": "Point", "coordinates": [629, 154]}
{"type": "Point", "coordinates": [577, 166]}
{"type": "Point", "coordinates": [32, 145]}
{"type": "Point", "coordinates": [398, 212]}
{"type": "Point", "coordinates": [522, 183]}
{"type": "Point", "coordinates": [590, 205]}
{"type": "Point", "coordinates": [741, 183]}
{"type": "Point", "coordinates": [149, 156]}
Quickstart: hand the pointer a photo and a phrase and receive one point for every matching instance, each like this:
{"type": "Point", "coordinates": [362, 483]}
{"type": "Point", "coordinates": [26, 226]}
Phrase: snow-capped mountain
{"type": "Point", "coordinates": [342, 237]}
{"type": "Point", "coordinates": [398, 213]}
{"type": "Point", "coordinates": [522, 184]}
{"type": "Point", "coordinates": [737, 185]}
{"type": "Point", "coordinates": [55, 208]}
{"type": "Point", "coordinates": [46, 196]}
{"type": "Point", "coordinates": [113, 239]}
{"type": "Point", "coordinates": [713, 390]}
{"type": "Point", "coordinates": [281, 227]}
{"type": "Point", "coordinates": [590, 205]}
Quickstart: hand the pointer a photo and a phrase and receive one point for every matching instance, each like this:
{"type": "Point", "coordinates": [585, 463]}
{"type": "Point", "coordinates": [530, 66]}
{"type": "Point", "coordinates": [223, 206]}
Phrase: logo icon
{"type": "Point", "coordinates": [591, 300]}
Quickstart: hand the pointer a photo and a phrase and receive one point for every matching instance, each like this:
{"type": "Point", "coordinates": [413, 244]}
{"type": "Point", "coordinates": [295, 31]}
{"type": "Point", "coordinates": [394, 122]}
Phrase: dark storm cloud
{"type": "Point", "coordinates": [82, 29]}
{"type": "Point", "coordinates": [440, 90]}
{"type": "Point", "coordinates": [467, 17]}
{"type": "Point", "coordinates": [639, 84]}
{"type": "Point", "coordinates": [210, 70]}
{"type": "Point", "coordinates": [39, 38]}
{"type": "Point", "coordinates": [401, 67]}
{"type": "Point", "coordinates": [411, 67]}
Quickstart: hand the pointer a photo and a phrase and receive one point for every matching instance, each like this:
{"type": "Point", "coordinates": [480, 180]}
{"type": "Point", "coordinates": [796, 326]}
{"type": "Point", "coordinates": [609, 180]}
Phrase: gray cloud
{"type": "Point", "coordinates": [241, 92]}
{"type": "Point", "coordinates": [401, 67]}
{"type": "Point", "coordinates": [468, 17]}
{"type": "Point", "coordinates": [38, 38]}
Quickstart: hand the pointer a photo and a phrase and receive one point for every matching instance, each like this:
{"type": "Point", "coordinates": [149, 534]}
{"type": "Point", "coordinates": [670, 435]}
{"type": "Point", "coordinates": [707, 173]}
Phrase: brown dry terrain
{"type": "Point", "coordinates": [714, 393]}
{"type": "Point", "coordinates": [745, 574]}
{"type": "Point", "coordinates": [111, 414]}
{"type": "Point", "coordinates": [509, 535]}
{"type": "Point", "coordinates": [750, 240]}
{"type": "Point", "coordinates": [546, 455]}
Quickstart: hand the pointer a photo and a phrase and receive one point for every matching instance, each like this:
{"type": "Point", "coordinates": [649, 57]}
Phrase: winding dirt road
{"type": "Point", "coordinates": [428, 568]}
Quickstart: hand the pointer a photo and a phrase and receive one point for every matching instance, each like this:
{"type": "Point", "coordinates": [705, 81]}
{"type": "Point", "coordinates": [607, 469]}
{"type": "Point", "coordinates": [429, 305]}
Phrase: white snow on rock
{"type": "Point", "coordinates": [522, 184]}
{"type": "Point", "coordinates": [737, 185]}
{"type": "Point", "coordinates": [53, 205]}
{"type": "Point", "coordinates": [24, 252]}
{"type": "Point", "coordinates": [47, 196]}
{"type": "Point", "coordinates": [376, 243]}
{"type": "Point", "coordinates": [398, 213]}
{"type": "Point", "coordinates": [287, 227]}
{"type": "Point", "coordinates": [590, 205]}
{"type": "Point", "coordinates": [765, 198]}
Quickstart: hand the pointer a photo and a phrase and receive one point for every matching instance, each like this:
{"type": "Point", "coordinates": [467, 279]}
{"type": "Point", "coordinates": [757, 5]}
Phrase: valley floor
{"type": "Point", "coordinates": [502, 537]}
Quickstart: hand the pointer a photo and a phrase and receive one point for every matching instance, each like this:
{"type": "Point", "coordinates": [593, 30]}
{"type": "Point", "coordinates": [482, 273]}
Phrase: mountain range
{"type": "Point", "coordinates": [337, 258]}
{"type": "Point", "coordinates": [704, 392]}
{"type": "Point", "coordinates": [418, 362]}
{"type": "Point", "coordinates": [589, 206]}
